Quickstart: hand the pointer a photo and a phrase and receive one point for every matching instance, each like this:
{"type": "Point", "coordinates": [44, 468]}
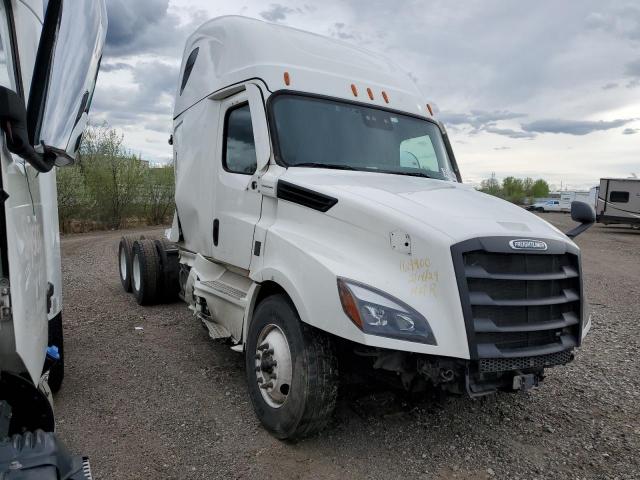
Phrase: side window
{"type": "Point", "coordinates": [239, 147]}
{"type": "Point", "coordinates": [619, 197]}
{"type": "Point", "coordinates": [188, 67]}
{"type": "Point", "coordinates": [418, 152]}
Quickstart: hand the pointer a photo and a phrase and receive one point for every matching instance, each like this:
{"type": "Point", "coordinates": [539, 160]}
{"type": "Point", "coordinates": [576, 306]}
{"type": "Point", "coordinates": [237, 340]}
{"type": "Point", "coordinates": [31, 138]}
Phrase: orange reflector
{"type": "Point", "coordinates": [429, 108]}
{"type": "Point", "coordinates": [386, 98]}
{"type": "Point", "coordinates": [370, 93]}
{"type": "Point", "coordinates": [349, 304]}
{"type": "Point", "coordinates": [287, 80]}
{"type": "Point", "coordinates": [354, 90]}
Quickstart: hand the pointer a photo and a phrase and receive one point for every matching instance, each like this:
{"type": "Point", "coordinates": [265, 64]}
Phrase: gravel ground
{"type": "Point", "coordinates": [167, 402]}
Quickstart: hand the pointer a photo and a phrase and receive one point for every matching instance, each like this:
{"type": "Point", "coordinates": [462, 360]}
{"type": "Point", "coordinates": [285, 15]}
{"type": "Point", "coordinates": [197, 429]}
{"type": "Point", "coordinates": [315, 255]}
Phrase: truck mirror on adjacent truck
{"type": "Point", "coordinates": [50, 52]}
{"type": "Point", "coordinates": [358, 249]}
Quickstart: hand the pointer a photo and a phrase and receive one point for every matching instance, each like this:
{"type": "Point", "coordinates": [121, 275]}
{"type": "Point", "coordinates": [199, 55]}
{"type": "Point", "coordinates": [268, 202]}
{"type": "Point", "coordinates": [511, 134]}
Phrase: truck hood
{"type": "Point", "coordinates": [456, 210]}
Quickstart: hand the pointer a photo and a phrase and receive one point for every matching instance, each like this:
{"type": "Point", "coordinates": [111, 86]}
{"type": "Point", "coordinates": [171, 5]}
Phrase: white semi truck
{"type": "Point", "coordinates": [50, 52]}
{"type": "Point", "coordinates": [322, 228]}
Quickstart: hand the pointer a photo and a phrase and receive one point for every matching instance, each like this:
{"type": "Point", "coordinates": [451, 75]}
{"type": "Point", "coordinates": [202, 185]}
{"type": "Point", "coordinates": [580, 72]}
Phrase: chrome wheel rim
{"type": "Point", "coordinates": [123, 264]}
{"type": "Point", "coordinates": [136, 272]}
{"type": "Point", "coordinates": [273, 366]}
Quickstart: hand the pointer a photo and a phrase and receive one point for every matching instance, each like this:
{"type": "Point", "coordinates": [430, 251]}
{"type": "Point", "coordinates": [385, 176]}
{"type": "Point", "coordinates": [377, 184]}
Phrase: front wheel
{"type": "Point", "coordinates": [292, 371]}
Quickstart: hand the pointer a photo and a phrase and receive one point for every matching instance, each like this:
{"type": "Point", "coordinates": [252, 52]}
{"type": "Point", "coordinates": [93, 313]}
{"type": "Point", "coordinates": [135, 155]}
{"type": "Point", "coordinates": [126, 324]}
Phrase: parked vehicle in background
{"type": "Point", "coordinates": [546, 206]}
{"type": "Point", "coordinates": [619, 201]}
{"type": "Point", "coordinates": [322, 228]}
{"type": "Point", "coordinates": [48, 62]}
{"type": "Point", "coordinates": [593, 196]}
{"type": "Point", "coordinates": [567, 197]}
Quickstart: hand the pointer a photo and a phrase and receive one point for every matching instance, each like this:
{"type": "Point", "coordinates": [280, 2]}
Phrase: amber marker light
{"type": "Point", "coordinates": [349, 304]}
{"type": "Point", "coordinates": [287, 79]}
{"type": "Point", "coordinates": [385, 97]}
{"type": "Point", "coordinates": [354, 90]}
{"type": "Point", "coordinates": [370, 93]}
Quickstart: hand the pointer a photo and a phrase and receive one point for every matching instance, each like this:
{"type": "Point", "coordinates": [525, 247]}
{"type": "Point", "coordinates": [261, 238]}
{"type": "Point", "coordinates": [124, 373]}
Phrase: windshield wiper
{"type": "Point", "coordinates": [333, 166]}
{"type": "Point", "coordinates": [410, 174]}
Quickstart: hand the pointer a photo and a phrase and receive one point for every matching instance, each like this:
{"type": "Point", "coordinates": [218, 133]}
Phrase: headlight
{"type": "Point", "coordinates": [377, 313]}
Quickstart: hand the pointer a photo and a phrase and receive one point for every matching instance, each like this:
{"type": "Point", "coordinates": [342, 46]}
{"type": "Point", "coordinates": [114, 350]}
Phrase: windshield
{"type": "Point", "coordinates": [323, 133]}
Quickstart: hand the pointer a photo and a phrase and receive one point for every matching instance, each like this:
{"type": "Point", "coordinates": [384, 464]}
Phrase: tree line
{"type": "Point", "coordinates": [108, 187]}
{"type": "Point", "coordinates": [514, 189]}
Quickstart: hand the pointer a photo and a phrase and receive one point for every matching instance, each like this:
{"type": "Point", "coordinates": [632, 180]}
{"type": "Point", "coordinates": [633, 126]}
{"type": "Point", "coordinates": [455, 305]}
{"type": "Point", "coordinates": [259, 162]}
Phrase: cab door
{"type": "Point", "coordinates": [238, 203]}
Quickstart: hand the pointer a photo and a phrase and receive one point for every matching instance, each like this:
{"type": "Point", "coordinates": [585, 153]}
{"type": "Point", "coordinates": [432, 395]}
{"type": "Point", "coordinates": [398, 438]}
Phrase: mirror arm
{"type": "Point", "coordinates": [574, 232]}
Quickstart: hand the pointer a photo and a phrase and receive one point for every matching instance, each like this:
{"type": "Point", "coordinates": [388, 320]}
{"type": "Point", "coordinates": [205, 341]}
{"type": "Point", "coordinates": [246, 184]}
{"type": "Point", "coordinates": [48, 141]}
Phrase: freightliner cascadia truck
{"type": "Point", "coordinates": [323, 229]}
{"type": "Point", "coordinates": [49, 57]}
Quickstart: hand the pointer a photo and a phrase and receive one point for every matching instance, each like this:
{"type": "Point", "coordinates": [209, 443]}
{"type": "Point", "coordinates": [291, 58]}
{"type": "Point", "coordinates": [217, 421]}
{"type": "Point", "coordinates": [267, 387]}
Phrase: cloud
{"type": "Point", "coordinates": [632, 69]}
{"type": "Point", "coordinates": [502, 148]}
{"type": "Point", "coordinates": [147, 26]}
{"type": "Point", "coordinates": [114, 67]}
{"type": "Point", "coordinates": [622, 21]}
{"type": "Point", "coordinates": [610, 86]}
{"type": "Point", "coordinates": [276, 13]}
{"type": "Point", "coordinates": [508, 132]}
{"type": "Point", "coordinates": [630, 131]}
{"type": "Point", "coordinates": [573, 127]}
{"type": "Point", "coordinates": [341, 31]}
{"type": "Point", "coordinates": [486, 121]}
{"type": "Point", "coordinates": [479, 118]}
{"type": "Point", "coordinates": [147, 100]}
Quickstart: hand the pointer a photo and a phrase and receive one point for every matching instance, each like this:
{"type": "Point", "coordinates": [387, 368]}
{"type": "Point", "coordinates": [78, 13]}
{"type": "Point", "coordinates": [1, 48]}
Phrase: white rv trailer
{"type": "Point", "coordinates": [322, 227]}
{"type": "Point", "coordinates": [568, 197]}
{"type": "Point", "coordinates": [50, 52]}
{"type": "Point", "coordinates": [619, 201]}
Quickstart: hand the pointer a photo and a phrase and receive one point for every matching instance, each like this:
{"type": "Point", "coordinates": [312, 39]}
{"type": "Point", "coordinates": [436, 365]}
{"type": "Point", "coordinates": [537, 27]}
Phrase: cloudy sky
{"type": "Point", "coordinates": [544, 89]}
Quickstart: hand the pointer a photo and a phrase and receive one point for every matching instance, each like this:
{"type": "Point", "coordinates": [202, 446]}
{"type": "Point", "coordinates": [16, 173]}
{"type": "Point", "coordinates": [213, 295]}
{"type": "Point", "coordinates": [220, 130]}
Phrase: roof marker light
{"type": "Point", "coordinates": [287, 79]}
{"type": "Point", "coordinates": [386, 98]}
{"type": "Point", "coordinates": [429, 108]}
{"type": "Point", "coordinates": [354, 90]}
{"type": "Point", "coordinates": [370, 93]}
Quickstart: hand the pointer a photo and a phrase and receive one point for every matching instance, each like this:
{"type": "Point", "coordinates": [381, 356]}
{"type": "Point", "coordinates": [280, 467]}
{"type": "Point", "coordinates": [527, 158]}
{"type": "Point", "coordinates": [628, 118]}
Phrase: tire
{"type": "Point", "coordinates": [305, 406]}
{"type": "Point", "coordinates": [56, 337]}
{"type": "Point", "coordinates": [145, 272]}
{"type": "Point", "coordinates": [125, 252]}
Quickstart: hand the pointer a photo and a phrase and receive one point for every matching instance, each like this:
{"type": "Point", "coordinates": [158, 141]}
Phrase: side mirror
{"type": "Point", "coordinates": [48, 132]}
{"type": "Point", "coordinates": [584, 214]}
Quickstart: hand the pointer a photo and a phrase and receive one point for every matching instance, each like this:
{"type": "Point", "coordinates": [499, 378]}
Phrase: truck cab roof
{"type": "Point", "coordinates": [232, 49]}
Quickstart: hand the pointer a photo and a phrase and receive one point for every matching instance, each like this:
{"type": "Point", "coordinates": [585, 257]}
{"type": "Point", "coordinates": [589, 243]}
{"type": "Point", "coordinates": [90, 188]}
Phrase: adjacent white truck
{"type": "Point", "coordinates": [322, 228]}
{"type": "Point", "coordinates": [50, 53]}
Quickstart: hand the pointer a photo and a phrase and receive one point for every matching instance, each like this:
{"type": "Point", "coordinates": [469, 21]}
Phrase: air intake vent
{"type": "Point", "coordinates": [304, 196]}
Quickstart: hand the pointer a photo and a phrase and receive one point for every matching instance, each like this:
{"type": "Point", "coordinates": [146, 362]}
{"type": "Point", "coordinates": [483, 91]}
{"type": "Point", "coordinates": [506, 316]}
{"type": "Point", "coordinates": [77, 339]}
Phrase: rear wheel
{"type": "Point", "coordinates": [125, 252]}
{"type": "Point", "coordinates": [292, 371]}
{"type": "Point", "coordinates": [145, 271]}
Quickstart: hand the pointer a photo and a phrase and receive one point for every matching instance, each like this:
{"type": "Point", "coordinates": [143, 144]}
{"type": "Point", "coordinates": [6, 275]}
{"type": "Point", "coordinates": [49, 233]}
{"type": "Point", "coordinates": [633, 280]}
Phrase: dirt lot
{"type": "Point", "coordinates": [166, 402]}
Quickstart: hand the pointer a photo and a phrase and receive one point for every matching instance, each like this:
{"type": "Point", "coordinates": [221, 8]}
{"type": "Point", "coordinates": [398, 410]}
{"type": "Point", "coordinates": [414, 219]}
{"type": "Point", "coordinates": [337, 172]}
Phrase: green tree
{"type": "Point", "coordinates": [113, 177]}
{"type": "Point", "coordinates": [159, 194]}
{"type": "Point", "coordinates": [527, 185]}
{"type": "Point", "coordinates": [513, 189]}
{"type": "Point", "coordinates": [72, 194]}
{"type": "Point", "coordinates": [491, 186]}
{"type": "Point", "coordinates": [540, 189]}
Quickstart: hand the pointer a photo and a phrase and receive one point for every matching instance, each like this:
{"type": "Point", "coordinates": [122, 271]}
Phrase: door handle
{"type": "Point", "coordinates": [216, 232]}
